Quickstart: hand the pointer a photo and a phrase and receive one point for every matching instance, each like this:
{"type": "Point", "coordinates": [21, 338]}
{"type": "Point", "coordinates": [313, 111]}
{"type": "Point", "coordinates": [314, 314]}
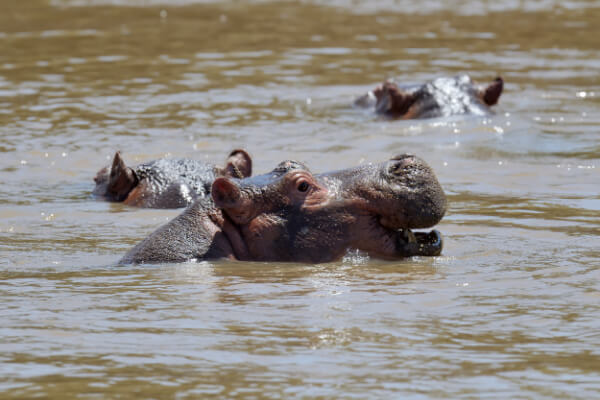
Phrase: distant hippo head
{"type": "Point", "coordinates": [165, 183]}
{"type": "Point", "coordinates": [440, 97]}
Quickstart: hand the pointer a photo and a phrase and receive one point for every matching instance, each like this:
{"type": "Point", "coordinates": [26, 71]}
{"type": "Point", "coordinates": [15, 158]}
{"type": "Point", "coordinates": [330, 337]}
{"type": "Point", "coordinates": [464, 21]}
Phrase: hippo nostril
{"type": "Point", "coordinates": [400, 163]}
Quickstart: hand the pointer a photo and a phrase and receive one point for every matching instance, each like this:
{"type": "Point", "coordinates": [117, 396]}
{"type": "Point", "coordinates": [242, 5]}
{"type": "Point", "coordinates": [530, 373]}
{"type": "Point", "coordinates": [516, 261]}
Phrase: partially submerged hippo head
{"type": "Point", "coordinates": [290, 214]}
{"type": "Point", "coordinates": [165, 183]}
{"type": "Point", "coordinates": [441, 97]}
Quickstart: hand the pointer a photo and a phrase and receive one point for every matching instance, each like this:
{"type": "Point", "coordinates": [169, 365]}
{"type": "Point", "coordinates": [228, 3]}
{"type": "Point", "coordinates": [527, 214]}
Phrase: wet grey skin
{"type": "Point", "coordinates": [441, 97]}
{"type": "Point", "coordinates": [165, 183]}
{"type": "Point", "coordinates": [289, 214]}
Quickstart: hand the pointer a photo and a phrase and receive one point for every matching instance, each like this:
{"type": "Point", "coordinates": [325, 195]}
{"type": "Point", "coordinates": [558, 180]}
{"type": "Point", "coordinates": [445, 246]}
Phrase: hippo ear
{"type": "Point", "coordinates": [239, 164]}
{"type": "Point", "coordinates": [393, 101]}
{"type": "Point", "coordinates": [122, 178]}
{"type": "Point", "coordinates": [118, 163]}
{"type": "Point", "coordinates": [225, 193]}
{"type": "Point", "coordinates": [491, 94]}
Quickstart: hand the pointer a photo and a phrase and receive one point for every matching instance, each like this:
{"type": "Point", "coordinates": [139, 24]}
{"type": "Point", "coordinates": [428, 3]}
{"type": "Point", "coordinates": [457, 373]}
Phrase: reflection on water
{"type": "Point", "coordinates": [510, 308]}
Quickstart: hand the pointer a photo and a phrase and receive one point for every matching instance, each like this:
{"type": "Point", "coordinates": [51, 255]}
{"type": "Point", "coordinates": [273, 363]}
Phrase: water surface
{"type": "Point", "coordinates": [509, 310]}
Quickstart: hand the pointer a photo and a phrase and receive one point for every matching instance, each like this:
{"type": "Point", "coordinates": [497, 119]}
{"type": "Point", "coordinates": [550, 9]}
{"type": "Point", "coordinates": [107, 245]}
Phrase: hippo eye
{"type": "Point", "coordinates": [395, 168]}
{"type": "Point", "coordinates": [303, 186]}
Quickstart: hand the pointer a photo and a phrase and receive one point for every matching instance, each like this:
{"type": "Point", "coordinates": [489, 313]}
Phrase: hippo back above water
{"type": "Point", "coordinates": [166, 183]}
{"type": "Point", "coordinates": [289, 214]}
{"type": "Point", "coordinates": [441, 97]}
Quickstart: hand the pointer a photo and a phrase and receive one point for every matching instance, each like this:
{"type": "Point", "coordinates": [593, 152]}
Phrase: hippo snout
{"type": "Point", "coordinates": [415, 198]}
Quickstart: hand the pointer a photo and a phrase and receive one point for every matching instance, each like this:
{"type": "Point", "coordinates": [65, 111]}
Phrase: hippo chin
{"type": "Point", "coordinates": [289, 214]}
{"type": "Point", "coordinates": [441, 97]}
{"type": "Point", "coordinates": [165, 183]}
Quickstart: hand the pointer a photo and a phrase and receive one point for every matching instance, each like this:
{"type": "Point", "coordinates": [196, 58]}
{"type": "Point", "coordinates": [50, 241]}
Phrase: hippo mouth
{"type": "Point", "coordinates": [409, 243]}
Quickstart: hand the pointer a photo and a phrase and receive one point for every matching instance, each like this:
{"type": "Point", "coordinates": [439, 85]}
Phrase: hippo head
{"type": "Point", "coordinates": [118, 181]}
{"type": "Point", "coordinates": [292, 215]}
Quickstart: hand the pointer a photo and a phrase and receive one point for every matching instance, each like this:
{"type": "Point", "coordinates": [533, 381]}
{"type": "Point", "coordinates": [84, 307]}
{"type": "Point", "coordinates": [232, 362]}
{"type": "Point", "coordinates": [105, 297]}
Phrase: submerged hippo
{"type": "Point", "coordinates": [166, 183]}
{"type": "Point", "coordinates": [441, 97]}
{"type": "Point", "coordinates": [289, 214]}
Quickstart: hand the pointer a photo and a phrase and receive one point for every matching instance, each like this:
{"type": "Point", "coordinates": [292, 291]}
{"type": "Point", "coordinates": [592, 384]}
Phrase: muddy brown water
{"type": "Point", "coordinates": [509, 310]}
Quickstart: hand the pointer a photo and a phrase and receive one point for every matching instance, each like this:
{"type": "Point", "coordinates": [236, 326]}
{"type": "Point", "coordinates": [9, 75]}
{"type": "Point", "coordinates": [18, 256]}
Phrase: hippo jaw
{"type": "Point", "coordinates": [411, 243]}
{"type": "Point", "coordinates": [424, 205]}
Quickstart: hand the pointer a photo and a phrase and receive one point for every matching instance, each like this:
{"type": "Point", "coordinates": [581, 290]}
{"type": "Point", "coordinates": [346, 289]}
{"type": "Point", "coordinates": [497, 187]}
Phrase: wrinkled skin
{"type": "Point", "coordinates": [166, 183]}
{"type": "Point", "coordinates": [441, 97]}
{"type": "Point", "coordinates": [290, 214]}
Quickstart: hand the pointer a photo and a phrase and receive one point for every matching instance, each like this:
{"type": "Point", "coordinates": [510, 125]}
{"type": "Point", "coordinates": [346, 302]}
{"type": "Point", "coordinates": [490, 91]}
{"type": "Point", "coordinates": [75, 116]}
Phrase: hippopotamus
{"type": "Point", "coordinates": [292, 215]}
{"type": "Point", "coordinates": [441, 97]}
{"type": "Point", "coordinates": [166, 183]}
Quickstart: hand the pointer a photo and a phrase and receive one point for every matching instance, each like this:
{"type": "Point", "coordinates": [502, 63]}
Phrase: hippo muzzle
{"type": "Point", "coordinates": [401, 194]}
{"type": "Point", "coordinates": [418, 202]}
